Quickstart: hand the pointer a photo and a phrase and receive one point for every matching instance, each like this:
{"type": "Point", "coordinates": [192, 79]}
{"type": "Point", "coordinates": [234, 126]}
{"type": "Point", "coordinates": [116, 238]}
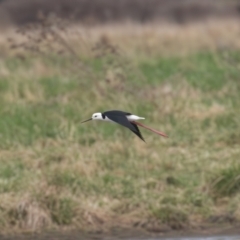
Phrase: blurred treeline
{"type": "Point", "coordinates": [19, 12]}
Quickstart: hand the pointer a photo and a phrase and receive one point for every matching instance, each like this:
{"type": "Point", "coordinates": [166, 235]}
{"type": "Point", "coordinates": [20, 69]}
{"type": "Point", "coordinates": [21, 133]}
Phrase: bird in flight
{"type": "Point", "coordinates": [125, 119]}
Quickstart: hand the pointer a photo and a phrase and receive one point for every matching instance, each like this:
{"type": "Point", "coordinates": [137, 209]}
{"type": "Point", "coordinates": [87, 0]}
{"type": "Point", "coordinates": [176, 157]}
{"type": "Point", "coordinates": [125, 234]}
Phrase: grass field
{"type": "Point", "coordinates": [56, 172]}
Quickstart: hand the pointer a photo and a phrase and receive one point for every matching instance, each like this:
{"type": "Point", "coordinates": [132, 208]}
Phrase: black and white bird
{"type": "Point", "coordinates": [125, 119]}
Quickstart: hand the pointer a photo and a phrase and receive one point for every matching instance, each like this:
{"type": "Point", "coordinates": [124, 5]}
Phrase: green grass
{"type": "Point", "coordinates": [173, 216]}
{"type": "Point", "coordinates": [204, 71]}
{"type": "Point", "coordinates": [227, 181]}
{"type": "Point", "coordinates": [73, 174]}
{"type": "Point", "coordinates": [62, 209]}
{"type": "Point", "coordinates": [11, 176]}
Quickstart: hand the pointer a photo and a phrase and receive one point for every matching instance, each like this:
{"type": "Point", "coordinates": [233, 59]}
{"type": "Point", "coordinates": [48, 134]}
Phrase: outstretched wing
{"type": "Point", "coordinates": [122, 120]}
{"type": "Point", "coordinates": [137, 131]}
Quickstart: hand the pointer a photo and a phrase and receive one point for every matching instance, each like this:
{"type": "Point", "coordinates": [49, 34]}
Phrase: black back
{"type": "Point", "coordinates": [117, 112]}
{"type": "Point", "coordinates": [120, 118]}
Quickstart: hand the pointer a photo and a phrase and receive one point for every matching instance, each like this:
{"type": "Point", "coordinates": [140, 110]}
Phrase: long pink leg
{"type": "Point", "coordinates": [153, 130]}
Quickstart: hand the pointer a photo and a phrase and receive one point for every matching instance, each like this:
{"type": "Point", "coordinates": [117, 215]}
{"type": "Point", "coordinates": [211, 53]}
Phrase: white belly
{"type": "Point", "coordinates": [107, 119]}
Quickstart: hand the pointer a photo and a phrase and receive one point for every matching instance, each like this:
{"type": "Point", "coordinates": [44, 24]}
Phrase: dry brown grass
{"type": "Point", "coordinates": [151, 39]}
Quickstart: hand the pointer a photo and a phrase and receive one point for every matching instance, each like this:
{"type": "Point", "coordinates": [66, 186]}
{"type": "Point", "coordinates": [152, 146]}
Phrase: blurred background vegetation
{"type": "Point", "coordinates": [174, 62]}
{"type": "Point", "coordinates": [107, 11]}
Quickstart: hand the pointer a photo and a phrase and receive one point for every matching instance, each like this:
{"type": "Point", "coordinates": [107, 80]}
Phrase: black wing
{"type": "Point", "coordinates": [120, 118]}
{"type": "Point", "coordinates": [137, 131]}
{"type": "Point", "coordinates": [117, 112]}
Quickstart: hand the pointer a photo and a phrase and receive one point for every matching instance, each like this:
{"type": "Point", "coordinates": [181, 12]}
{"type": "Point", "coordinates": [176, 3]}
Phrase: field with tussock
{"type": "Point", "coordinates": [57, 173]}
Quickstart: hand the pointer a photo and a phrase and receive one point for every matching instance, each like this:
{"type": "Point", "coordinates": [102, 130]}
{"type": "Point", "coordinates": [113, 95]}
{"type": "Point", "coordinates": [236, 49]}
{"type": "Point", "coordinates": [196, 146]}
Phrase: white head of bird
{"type": "Point", "coordinates": [97, 116]}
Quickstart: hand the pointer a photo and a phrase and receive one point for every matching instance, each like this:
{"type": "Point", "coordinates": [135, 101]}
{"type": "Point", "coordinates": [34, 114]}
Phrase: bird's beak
{"type": "Point", "coordinates": [87, 120]}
